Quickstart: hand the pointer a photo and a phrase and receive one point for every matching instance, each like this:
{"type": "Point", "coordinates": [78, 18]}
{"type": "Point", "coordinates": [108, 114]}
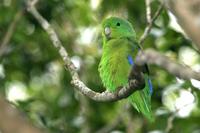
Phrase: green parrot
{"type": "Point", "coordinates": [120, 48]}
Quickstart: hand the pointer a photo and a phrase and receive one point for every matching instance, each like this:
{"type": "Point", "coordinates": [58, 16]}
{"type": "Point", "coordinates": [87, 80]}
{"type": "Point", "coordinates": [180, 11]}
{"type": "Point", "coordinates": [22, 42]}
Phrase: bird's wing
{"type": "Point", "coordinates": [141, 100]}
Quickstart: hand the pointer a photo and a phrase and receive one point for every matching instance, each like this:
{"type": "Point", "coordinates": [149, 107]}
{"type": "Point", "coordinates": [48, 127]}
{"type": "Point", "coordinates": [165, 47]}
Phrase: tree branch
{"type": "Point", "coordinates": [148, 11]}
{"type": "Point", "coordinates": [150, 56]}
{"type": "Point", "coordinates": [11, 120]}
{"type": "Point", "coordinates": [187, 14]}
{"type": "Point", "coordinates": [9, 33]}
{"type": "Point", "coordinates": [150, 23]}
{"type": "Point", "coordinates": [133, 85]}
{"type": "Point", "coordinates": [110, 126]}
{"type": "Point", "coordinates": [170, 120]}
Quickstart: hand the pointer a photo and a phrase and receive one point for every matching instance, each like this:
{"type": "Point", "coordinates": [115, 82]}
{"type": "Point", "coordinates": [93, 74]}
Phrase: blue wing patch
{"type": "Point", "coordinates": [130, 60]}
{"type": "Point", "coordinates": [150, 86]}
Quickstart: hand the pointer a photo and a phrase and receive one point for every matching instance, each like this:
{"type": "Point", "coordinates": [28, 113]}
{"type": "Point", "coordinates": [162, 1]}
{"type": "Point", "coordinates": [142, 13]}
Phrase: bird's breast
{"type": "Point", "coordinates": [114, 68]}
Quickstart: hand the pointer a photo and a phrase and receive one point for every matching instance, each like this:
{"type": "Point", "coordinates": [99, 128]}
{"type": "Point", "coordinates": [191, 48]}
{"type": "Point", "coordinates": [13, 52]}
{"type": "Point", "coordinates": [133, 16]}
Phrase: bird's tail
{"type": "Point", "coordinates": [141, 100]}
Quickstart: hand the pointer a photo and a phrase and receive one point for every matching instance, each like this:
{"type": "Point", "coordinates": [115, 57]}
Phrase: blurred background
{"type": "Point", "coordinates": [33, 78]}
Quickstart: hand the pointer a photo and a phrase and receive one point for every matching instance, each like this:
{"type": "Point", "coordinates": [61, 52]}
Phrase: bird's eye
{"type": "Point", "coordinates": [118, 24]}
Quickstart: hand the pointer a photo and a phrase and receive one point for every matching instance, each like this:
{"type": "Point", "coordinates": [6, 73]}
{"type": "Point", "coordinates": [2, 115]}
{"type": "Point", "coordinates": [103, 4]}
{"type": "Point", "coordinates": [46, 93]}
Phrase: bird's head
{"type": "Point", "coordinates": [115, 27]}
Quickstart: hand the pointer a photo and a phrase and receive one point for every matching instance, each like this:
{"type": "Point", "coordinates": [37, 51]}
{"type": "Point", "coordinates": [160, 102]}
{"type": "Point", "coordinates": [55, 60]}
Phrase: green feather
{"type": "Point", "coordinates": [141, 100]}
{"type": "Point", "coordinates": [119, 42]}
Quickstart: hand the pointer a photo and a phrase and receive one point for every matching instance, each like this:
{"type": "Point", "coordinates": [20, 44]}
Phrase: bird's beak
{"type": "Point", "coordinates": [107, 31]}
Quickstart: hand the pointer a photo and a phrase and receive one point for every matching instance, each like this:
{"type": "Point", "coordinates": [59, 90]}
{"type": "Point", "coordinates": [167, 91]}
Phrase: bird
{"type": "Point", "coordinates": [119, 50]}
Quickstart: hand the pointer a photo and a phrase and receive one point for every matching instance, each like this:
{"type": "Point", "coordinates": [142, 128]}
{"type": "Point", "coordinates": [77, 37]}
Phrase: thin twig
{"type": "Point", "coordinates": [170, 120]}
{"type": "Point", "coordinates": [119, 119]}
{"type": "Point", "coordinates": [85, 112]}
{"type": "Point", "coordinates": [128, 119]}
{"type": "Point", "coordinates": [150, 24]}
{"type": "Point", "coordinates": [148, 11]}
{"type": "Point", "coordinates": [10, 32]}
{"type": "Point", "coordinates": [109, 127]}
{"type": "Point", "coordinates": [32, 3]}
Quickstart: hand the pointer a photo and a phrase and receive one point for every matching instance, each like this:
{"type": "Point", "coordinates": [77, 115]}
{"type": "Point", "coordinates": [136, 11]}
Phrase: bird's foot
{"type": "Point", "coordinates": [117, 90]}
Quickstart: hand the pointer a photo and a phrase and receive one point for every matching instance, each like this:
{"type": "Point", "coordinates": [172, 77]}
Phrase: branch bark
{"type": "Point", "coordinates": [151, 56]}
{"type": "Point", "coordinates": [11, 120]}
{"type": "Point", "coordinates": [187, 13]}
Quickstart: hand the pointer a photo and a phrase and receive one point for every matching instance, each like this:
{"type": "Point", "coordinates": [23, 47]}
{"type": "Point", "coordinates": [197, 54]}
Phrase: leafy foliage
{"type": "Point", "coordinates": [50, 101]}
